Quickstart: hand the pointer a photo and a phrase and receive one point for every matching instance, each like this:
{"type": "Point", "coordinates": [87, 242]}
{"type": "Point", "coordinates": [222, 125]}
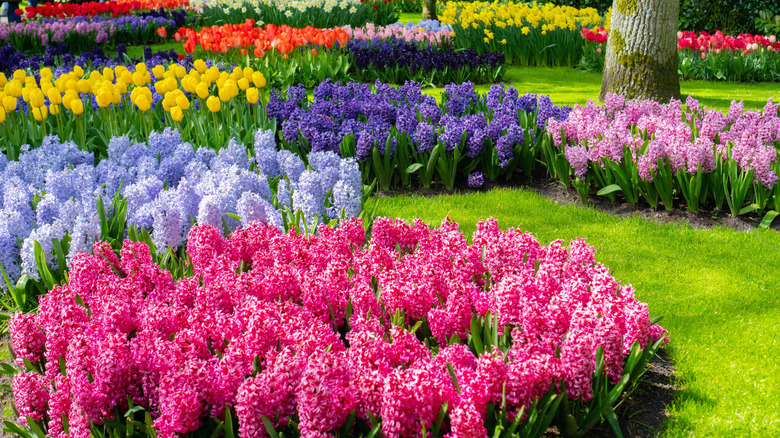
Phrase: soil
{"type": "Point", "coordinates": [642, 414]}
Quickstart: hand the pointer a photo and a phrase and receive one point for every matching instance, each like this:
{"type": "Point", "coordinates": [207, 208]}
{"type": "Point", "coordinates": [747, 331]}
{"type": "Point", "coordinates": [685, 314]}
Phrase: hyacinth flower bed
{"type": "Point", "coordinates": [411, 331]}
{"type": "Point", "coordinates": [402, 137]}
{"type": "Point", "coordinates": [57, 201]}
{"type": "Point", "coordinates": [34, 36]}
{"type": "Point", "coordinates": [529, 34]}
{"type": "Point", "coordinates": [81, 34]}
{"type": "Point", "coordinates": [60, 61]}
{"type": "Point", "coordinates": [704, 56]}
{"type": "Point", "coordinates": [298, 13]}
{"type": "Point", "coordinates": [667, 154]}
{"type": "Point", "coordinates": [427, 31]}
{"type": "Point", "coordinates": [397, 61]}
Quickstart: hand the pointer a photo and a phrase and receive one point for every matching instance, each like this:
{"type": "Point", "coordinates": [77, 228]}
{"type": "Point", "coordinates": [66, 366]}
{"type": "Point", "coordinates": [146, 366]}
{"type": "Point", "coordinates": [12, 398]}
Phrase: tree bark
{"type": "Point", "coordinates": [641, 58]}
{"type": "Point", "coordinates": [429, 10]}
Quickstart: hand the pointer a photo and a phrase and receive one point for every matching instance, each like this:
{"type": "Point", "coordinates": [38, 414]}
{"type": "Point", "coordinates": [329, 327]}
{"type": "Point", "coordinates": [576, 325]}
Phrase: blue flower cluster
{"type": "Point", "coordinates": [374, 114]}
{"type": "Point", "coordinates": [51, 192]}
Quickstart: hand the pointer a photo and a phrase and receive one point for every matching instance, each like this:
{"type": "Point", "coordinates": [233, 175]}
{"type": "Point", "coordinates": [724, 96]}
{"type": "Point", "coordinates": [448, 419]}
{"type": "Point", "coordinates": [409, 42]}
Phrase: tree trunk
{"type": "Point", "coordinates": [642, 50]}
{"type": "Point", "coordinates": [429, 10]}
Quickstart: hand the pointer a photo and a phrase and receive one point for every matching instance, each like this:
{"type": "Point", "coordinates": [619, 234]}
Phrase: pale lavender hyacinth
{"type": "Point", "coordinates": [167, 185]}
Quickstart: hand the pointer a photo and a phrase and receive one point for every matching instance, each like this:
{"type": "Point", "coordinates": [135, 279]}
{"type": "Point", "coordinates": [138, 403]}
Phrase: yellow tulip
{"type": "Point", "coordinates": [19, 75]}
{"type": "Point", "coordinates": [3, 80]}
{"type": "Point", "coordinates": [26, 94]}
{"type": "Point", "coordinates": [83, 86]}
{"type": "Point", "coordinates": [224, 94]}
{"type": "Point", "coordinates": [139, 79]}
{"type": "Point", "coordinates": [37, 98]}
{"type": "Point", "coordinates": [243, 83]}
{"type": "Point", "coordinates": [140, 67]}
{"type": "Point", "coordinates": [40, 113]}
{"type": "Point", "coordinates": [77, 106]}
{"type": "Point", "coordinates": [213, 103]}
{"type": "Point", "coordinates": [252, 95]}
{"type": "Point", "coordinates": [203, 90]}
{"type": "Point", "coordinates": [176, 113]}
{"type": "Point", "coordinates": [104, 97]}
{"type": "Point", "coordinates": [143, 103]}
{"type": "Point", "coordinates": [54, 109]}
{"type": "Point", "coordinates": [14, 88]}
{"type": "Point", "coordinates": [2, 115]}
{"type": "Point", "coordinates": [200, 66]}
{"type": "Point", "coordinates": [182, 102]}
{"type": "Point", "coordinates": [9, 103]}
{"type": "Point", "coordinates": [78, 71]}
{"type": "Point", "coordinates": [108, 74]}
{"type": "Point", "coordinates": [258, 79]}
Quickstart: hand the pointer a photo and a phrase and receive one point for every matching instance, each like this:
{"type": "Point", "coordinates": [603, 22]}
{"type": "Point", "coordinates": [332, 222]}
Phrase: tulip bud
{"type": "Point", "coordinates": [176, 113]}
{"type": "Point", "coordinates": [252, 95]}
{"type": "Point", "coordinates": [213, 104]}
{"type": "Point", "coordinates": [77, 106]}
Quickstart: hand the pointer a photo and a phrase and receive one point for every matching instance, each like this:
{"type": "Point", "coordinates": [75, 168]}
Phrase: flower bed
{"type": "Point", "coordinates": [35, 36]}
{"type": "Point", "coordinates": [51, 195]}
{"type": "Point", "coordinates": [403, 137]}
{"type": "Point", "coordinates": [545, 35]}
{"type": "Point", "coordinates": [115, 8]}
{"type": "Point", "coordinates": [409, 33]}
{"type": "Point", "coordinates": [414, 331]}
{"type": "Point", "coordinates": [397, 61]}
{"type": "Point", "coordinates": [665, 152]}
{"type": "Point", "coordinates": [705, 56]}
{"type": "Point", "coordinates": [298, 13]}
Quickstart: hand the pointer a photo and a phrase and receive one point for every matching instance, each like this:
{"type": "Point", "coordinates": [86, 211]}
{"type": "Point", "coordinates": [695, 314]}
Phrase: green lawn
{"type": "Point", "coordinates": [569, 86]}
{"type": "Point", "coordinates": [717, 289]}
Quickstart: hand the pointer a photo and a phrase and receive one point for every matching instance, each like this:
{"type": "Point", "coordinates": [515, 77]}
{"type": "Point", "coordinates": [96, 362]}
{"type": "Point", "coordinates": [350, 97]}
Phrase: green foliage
{"type": "Point", "coordinates": [729, 16]}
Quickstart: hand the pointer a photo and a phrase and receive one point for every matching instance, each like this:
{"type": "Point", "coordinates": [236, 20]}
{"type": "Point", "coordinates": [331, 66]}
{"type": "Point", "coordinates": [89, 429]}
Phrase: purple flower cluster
{"type": "Point", "coordinates": [36, 35]}
{"type": "Point", "coordinates": [394, 53]}
{"type": "Point", "coordinates": [374, 114]}
{"type": "Point", "coordinates": [59, 59]}
{"type": "Point", "coordinates": [51, 191]}
{"type": "Point", "coordinates": [476, 180]}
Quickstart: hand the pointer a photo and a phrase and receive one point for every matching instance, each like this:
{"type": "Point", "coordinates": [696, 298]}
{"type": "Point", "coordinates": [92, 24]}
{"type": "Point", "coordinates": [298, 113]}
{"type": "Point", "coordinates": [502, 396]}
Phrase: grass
{"type": "Point", "coordinates": [414, 17]}
{"type": "Point", "coordinates": [717, 290]}
{"type": "Point", "coordinates": [569, 86]}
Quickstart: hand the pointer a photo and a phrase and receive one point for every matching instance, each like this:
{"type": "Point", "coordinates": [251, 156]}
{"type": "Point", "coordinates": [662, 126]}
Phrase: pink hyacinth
{"type": "Point", "coordinates": [318, 326]}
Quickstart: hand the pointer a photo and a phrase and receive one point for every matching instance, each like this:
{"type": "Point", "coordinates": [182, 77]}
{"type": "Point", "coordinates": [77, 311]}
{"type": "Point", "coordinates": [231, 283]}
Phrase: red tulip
{"type": "Point", "coordinates": [162, 32]}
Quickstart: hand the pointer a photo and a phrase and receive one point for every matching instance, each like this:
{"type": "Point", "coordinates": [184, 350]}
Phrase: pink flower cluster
{"type": "Point", "coordinates": [690, 139]}
{"type": "Point", "coordinates": [414, 34]}
{"type": "Point", "coordinates": [277, 325]}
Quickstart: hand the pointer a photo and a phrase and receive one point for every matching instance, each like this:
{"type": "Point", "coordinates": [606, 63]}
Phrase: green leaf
{"type": "Point", "coordinates": [229, 424]}
{"type": "Point", "coordinates": [749, 209]}
{"type": "Point", "coordinates": [414, 167]}
{"type": "Point", "coordinates": [234, 216]}
{"type": "Point", "coordinates": [769, 217]}
{"type": "Point", "coordinates": [612, 188]}
{"type": "Point", "coordinates": [476, 335]}
{"type": "Point", "coordinates": [36, 427]}
{"type": "Point", "coordinates": [17, 430]}
{"type": "Point", "coordinates": [269, 427]}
